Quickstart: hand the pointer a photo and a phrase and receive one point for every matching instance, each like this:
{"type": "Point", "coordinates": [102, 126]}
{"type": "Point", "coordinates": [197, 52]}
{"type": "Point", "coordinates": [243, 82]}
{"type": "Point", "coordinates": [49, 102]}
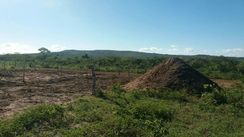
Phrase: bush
{"type": "Point", "coordinates": [112, 127]}
{"type": "Point", "coordinates": [122, 127]}
{"type": "Point", "coordinates": [99, 93]}
{"type": "Point", "coordinates": [89, 109]}
{"type": "Point", "coordinates": [117, 89]}
{"type": "Point", "coordinates": [167, 94]}
{"type": "Point", "coordinates": [206, 102]}
{"type": "Point", "coordinates": [219, 97]}
{"type": "Point", "coordinates": [35, 117]}
{"type": "Point", "coordinates": [149, 110]}
{"type": "Point", "coordinates": [230, 97]}
{"type": "Point", "coordinates": [235, 97]}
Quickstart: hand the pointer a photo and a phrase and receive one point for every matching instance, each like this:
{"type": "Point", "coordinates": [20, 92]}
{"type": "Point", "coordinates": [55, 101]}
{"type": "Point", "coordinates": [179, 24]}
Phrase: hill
{"type": "Point", "coordinates": [133, 54]}
{"type": "Point", "coordinates": [107, 53]}
{"type": "Point", "coordinates": [116, 53]}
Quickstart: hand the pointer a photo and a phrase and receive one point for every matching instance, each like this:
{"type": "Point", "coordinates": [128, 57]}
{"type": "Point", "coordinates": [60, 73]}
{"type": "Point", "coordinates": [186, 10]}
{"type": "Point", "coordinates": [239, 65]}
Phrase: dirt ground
{"type": "Point", "coordinates": [50, 87]}
{"type": "Point", "coordinates": [226, 83]}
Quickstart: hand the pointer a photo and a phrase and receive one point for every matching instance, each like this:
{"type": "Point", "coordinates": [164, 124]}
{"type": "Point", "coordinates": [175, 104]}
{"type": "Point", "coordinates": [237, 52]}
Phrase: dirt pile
{"type": "Point", "coordinates": [173, 73]}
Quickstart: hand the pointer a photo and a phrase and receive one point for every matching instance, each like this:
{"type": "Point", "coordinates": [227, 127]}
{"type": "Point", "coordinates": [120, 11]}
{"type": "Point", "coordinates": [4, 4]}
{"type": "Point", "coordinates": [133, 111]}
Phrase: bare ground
{"type": "Point", "coordinates": [224, 83]}
{"type": "Point", "coordinates": [50, 87]}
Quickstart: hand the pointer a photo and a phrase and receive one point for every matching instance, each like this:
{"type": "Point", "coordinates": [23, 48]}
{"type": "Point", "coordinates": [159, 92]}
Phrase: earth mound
{"type": "Point", "coordinates": [174, 74]}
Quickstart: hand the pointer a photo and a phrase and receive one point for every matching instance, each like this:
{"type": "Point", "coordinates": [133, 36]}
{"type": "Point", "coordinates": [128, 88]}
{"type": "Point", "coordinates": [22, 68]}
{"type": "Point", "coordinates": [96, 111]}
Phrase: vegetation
{"type": "Point", "coordinates": [149, 113]}
{"type": "Point", "coordinates": [141, 113]}
{"type": "Point", "coordinates": [212, 66]}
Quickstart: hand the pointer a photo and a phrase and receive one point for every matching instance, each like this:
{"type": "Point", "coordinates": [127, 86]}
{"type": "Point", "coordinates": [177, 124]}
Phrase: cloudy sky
{"type": "Point", "coordinates": [186, 27]}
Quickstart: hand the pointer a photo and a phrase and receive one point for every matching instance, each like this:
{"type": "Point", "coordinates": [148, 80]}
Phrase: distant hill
{"type": "Point", "coordinates": [107, 53]}
{"type": "Point", "coordinates": [134, 54]}
{"type": "Point", "coordinates": [116, 53]}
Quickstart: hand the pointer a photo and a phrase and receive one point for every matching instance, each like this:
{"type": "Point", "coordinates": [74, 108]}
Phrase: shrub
{"type": "Point", "coordinates": [89, 109]}
{"type": "Point", "coordinates": [209, 101]}
{"type": "Point", "coordinates": [99, 93]}
{"type": "Point", "coordinates": [235, 97]}
{"type": "Point", "coordinates": [123, 127]}
{"type": "Point", "coordinates": [153, 115]}
{"type": "Point", "coordinates": [149, 110]}
{"type": "Point", "coordinates": [112, 127]}
{"type": "Point", "coordinates": [206, 102]}
{"type": "Point", "coordinates": [167, 94]}
{"type": "Point", "coordinates": [43, 115]}
{"type": "Point", "coordinates": [117, 89]}
{"type": "Point", "coordinates": [219, 97]}
{"type": "Point", "coordinates": [157, 127]}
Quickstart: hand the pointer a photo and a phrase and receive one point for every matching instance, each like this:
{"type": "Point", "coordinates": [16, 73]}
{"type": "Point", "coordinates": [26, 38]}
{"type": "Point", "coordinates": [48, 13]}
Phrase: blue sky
{"type": "Point", "coordinates": [188, 27]}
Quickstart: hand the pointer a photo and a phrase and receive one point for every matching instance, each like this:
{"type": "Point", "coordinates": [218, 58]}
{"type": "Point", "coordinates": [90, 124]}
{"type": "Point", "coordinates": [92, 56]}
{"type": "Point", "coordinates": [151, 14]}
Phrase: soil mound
{"type": "Point", "coordinates": [173, 73]}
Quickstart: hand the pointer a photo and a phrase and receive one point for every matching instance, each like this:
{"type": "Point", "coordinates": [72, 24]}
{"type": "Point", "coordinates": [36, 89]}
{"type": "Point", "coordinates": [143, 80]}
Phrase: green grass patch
{"type": "Point", "coordinates": [147, 113]}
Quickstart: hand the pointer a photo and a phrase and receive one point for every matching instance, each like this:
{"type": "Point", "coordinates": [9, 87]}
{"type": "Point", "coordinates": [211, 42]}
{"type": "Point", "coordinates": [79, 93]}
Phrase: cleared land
{"type": "Point", "coordinates": [50, 87]}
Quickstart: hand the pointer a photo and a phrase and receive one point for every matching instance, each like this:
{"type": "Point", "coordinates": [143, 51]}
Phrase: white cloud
{"type": "Point", "coordinates": [16, 48]}
{"type": "Point", "coordinates": [56, 48]}
{"type": "Point", "coordinates": [172, 49]}
{"type": "Point", "coordinates": [175, 50]}
{"type": "Point", "coordinates": [238, 52]}
{"type": "Point", "coordinates": [151, 50]}
{"type": "Point", "coordinates": [188, 50]}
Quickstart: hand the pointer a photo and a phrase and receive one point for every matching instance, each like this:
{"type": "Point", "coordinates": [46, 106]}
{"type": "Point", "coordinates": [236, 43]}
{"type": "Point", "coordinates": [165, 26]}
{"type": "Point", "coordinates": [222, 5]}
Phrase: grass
{"type": "Point", "coordinates": [150, 113]}
{"type": "Point", "coordinates": [39, 117]}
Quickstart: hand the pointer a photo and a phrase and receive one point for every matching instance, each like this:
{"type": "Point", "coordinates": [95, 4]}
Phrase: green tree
{"type": "Point", "coordinates": [44, 53]}
{"type": "Point", "coordinates": [44, 50]}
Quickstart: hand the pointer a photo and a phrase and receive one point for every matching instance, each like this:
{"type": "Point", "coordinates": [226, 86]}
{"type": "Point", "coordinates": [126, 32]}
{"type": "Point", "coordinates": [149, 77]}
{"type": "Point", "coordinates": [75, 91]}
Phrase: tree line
{"type": "Point", "coordinates": [214, 67]}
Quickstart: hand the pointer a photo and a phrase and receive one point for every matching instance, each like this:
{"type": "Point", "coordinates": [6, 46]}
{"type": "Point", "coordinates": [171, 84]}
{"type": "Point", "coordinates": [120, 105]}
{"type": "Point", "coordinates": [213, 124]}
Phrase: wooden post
{"type": "Point", "coordinates": [93, 80]}
{"type": "Point", "coordinates": [23, 76]}
{"type": "Point", "coordinates": [57, 69]}
{"type": "Point", "coordinates": [24, 70]}
{"type": "Point", "coordinates": [15, 65]}
{"type": "Point", "coordinates": [119, 70]}
{"type": "Point", "coordinates": [4, 66]}
{"type": "Point", "coordinates": [129, 75]}
{"type": "Point", "coordinates": [61, 70]}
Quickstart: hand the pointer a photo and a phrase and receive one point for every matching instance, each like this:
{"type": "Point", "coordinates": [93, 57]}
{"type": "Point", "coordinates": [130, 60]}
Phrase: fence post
{"type": "Point", "coordinates": [93, 80]}
{"type": "Point", "coordinates": [129, 74]}
{"type": "Point", "coordinates": [23, 76]}
{"type": "Point", "coordinates": [4, 66]}
{"type": "Point", "coordinates": [15, 65]}
{"type": "Point", "coordinates": [60, 70]}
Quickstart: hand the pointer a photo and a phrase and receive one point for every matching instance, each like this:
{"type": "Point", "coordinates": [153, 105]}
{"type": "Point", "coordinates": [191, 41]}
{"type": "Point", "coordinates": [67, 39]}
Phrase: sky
{"type": "Point", "coordinates": [185, 27]}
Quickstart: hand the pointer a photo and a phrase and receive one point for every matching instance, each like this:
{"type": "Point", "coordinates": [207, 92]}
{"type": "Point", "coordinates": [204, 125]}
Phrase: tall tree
{"type": "Point", "coordinates": [44, 50]}
{"type": "Point", "coordinates": [43, 55]}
